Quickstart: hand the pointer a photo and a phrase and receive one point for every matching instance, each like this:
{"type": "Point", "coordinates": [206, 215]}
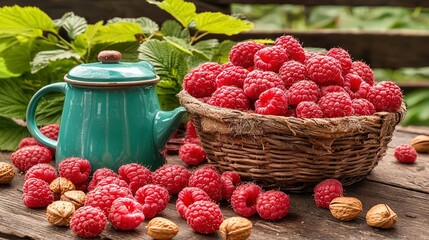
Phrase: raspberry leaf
{"type": "Point", "coordinates": [13, 101]}
{"type": "Point", "coordinates": [147, 25]}
{"type": "Point", "coordinates": [182, 11]}
{"type": "Point", "coordinates": [10, 134]}
{"type": "Point", "coordinates": [219, 23]}
{"type": "Point", "coordinates": [74, 25]}
{"type": "Point", "coordinates": [43, 58]}
{"type": "Point", "coordinates": [174, 29]}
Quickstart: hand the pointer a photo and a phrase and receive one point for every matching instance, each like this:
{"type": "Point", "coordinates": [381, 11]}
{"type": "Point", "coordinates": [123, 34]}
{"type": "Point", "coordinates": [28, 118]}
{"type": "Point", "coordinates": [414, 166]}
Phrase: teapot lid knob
{"type": "Point", "coordinates": [109, 56]}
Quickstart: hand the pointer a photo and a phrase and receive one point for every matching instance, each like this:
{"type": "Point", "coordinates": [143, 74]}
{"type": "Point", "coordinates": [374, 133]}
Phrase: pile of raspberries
{"type": "Point", "coordinates": [284, 79]}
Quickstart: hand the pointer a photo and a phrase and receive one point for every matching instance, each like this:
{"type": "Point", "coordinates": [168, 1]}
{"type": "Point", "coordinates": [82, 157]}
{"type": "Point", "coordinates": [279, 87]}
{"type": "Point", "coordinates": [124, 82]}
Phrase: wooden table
{"type": "Point", "coordinates": [405, 188]}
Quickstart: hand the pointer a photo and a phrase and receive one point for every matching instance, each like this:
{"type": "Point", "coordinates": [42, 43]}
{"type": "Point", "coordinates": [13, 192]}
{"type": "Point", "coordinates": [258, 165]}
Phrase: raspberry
{"type": "Point", "coordinates": [243, 199]}
{"type": "Point", "coordinates": [309, 55]}
{"type": "Point", "coordinates": [362, 107]}
{"type": "Point", "coordinates": [227, 65]}
{"type": "Point", "coordinates": [36, 193]}
{"type": "Point", "coordinates": [204, 217]}
{"type": "Point", "coordinates": [230, 97]}
{"type": "Point", "coordinates": [51, 131]}
{"type": "Point", "coordinates": [386, 96]}
{"type": "Point", "coordinates": [213, 67]}
{"type": "Point", "coordinates": [83, 186]}
{"type": "Point", "coordinates": [208, 179]}
{"type": "Point", "coordinates": [307, 109]}
{"type": "Point", "coordinates": [270, 58]}
{"type": "Point", "coordinates": [242, 53]}
{"type": "Point", "coordinates": [330, 89]}
{"type": "Point", "coordinates": [325, 70]}
{"type": "Point", "coordinates": [204, 99]}
{"type": "Point", "coordinates": [29, 141]}
{"type": "Point", "coordinates": [364, 71]}
{"type": "Point", "coordinates": [293, 48]}
{"type": "Point", "coordinates": [187, 196]}
{"type": "Point", "coordinates": [232, 76]}
{"type": "Point", "coordinates": [405, 153]}
{"type": "Point", "coordinates": [126, 214]}
{"type": "Point", "coordinates": [88, 222]}
{"type": "Point", "coordinates": [26, 157]}
{"type": "Point", "coordinates": [336, 104]}
{"type": "Point", "coordinates": [304, 90]}
{"type": "Point", "coordinates": [326, 191]}
{"type": "Point", "coordinates": [230, 181]}
{"type": "Point", "coordinates": [171, 176]}
{"type": "Point", "coordinates": [272, 205]}
{"type": "Point", "coordinates": [192, 154]}
{"type": "Point", "coordinates": [135, 175]}
{"type": "Point", "coordinates": [75, 169]}
{"type": "Point", "coordinates": [112, 180]}
{"type": "Point", "coordinates": [104, 196]}
{"type": "Point", "coordinates": [42, 171]}
{"type": "Point", "coordinates": [291, 113]}
{"type": "Point", "coordinates": [191, 135]}
{"type": "Point", "coordinates": [153, 198]}
{"type": "Point", "coordinates": [200, 83]}
{"type": "Point", "coordinates": [291, 72]}
{"type": "Point", "coordinates": [272, 102]}
{"type": "Point", "coordinates": [99, 175]}
{"type": "Point", "coordinates": [355, 86]}
{"type": "Point", "coordinates": [343, 57]}
{"type": "Point", "coordinates": [258, 81]}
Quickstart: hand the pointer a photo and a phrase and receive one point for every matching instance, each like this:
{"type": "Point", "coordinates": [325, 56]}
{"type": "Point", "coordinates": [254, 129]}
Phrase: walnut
{"type": "Point", "coordinates": [76, 197]}
{"type": "Point", "coordinates": [60, 185]}
{"type": "Point", "coordinates": [421, 143]}
{"type": "Point", "coordinates": [7, 173]}
{"type": "Point", "coordinates": [162, 228]}
{"type": "Point", "coordinates": [381, 216]}
{"type": "Point", "coordinates": [59, 213]}
{"type": "Point", "coordinates": [345, 208]}
{"type": "Point", "coordinates": [236, 228]}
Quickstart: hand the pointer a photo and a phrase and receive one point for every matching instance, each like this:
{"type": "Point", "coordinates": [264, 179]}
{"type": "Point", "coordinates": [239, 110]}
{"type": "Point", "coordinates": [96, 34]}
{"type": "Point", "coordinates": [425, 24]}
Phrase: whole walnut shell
{"type": "Point", "coordinates": [60, 212]}
{"type": "Point", "coordinates": [76, 197]}
{"type": "Point", "coordinates": [162, 228]}
{"type": "Point", "coordinates": [60, 185]}
{"type": "Point", "coordinates": [7, 173]}
{"type": "Point", "coordinates": [345, 208]}
{"type": "Point", "coordinates": [236, 228]}
{"type": "Point", "coordinates": [421, 143]}
{"type": "Point", "coordinates": [381, 216]}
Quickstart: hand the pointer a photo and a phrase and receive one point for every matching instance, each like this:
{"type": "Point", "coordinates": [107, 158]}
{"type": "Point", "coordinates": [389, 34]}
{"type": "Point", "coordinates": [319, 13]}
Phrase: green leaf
{"type": "Point", "coordinates": [178, 43]}
{"type": "Point", "coordinates": [222, 51]}
{"type": "Point", "coordinates": [4, 72]}
{"type": "Point", "coordinates": [147, 25]}
{"type": "Point", "coordinates": [74, 25]}
{"type": "Point", "coordinates": [50, 109]}
{"type": "Point", "coordinates": [117, 32]}
{"type": "Point", "coordinates": [173, 29]}
{"type": "Point", "coordinates": [206, 48]}
{"type": "Point", "coordinates": [183, 12]}
{"type": "Point", "coordinates": [43, 58]}
{"type": "Point", "coordinates": [13, 101]}
{"type": "Point", "coordinates": [219, 23]}
{"type": "Point", "coordinates": [11, 134]}
{"type": "Point", "coordinates": [18, 55]}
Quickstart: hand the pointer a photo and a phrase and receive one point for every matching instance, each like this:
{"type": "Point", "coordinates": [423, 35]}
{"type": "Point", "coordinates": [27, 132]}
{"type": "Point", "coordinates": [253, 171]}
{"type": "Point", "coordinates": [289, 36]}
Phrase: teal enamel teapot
{"type": "Point", "coordinates": [111, 114]}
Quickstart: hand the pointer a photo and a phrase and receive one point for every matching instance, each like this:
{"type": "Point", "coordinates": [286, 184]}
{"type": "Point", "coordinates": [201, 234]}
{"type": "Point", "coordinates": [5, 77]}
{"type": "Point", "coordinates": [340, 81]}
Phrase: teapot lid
{"type": "Point", "coordinates": [111, 72]}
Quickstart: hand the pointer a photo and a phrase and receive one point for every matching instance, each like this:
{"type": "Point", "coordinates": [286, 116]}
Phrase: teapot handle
{"type": "Point", "coordinates": [31, 112]}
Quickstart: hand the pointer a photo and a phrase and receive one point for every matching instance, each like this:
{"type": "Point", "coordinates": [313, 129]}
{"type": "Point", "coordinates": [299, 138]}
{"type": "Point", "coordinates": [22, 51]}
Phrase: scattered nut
{"type": "Point", "coordinates": [162, 228]}
{"type": "Point", "coordinates": [345, 208]}
{"type": "Point", "coordinates": [421, 143]}
{"type": "Point", "coordinates": [7, 173]}
{"type": "Point", "coordinates": [236, 228]}
{"type": "Point", "coordinates": [59, 213]}
{"type": "Point", "coordinates": [76, 197]}
{"type": "Point", "coordinates": [60, 185]}
{"type": "Point", "coordinates": [109, 56]}
{"type": "Point", "coordinates": [381, 216]}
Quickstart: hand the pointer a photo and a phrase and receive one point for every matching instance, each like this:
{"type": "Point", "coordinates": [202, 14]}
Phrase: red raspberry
{"type": "Point", "coordinates": [362, 107]}
{"type": "Point", "coordinates": [309, 55]}
{"type": "Point", "coordinates": [230, 97]}
{"type": "Point", "coordinates": [171, 176]}
{"type": "Point", "coordinates": [26, 157]}
{"type": "Point", "coordinates": [29, 141]}
{"type": "Point", "coordinates": [83, 186]}
{"type": "Point", "coordinates": [293, 48]}
{"type": "Point", "coordinates": [51, 131]}
{"type": "Point", "coordinates": [99, 175]}
{"type": "Point", "coordinates": [191, 135]}
{"type": "Point", "coordinates": [104, 196]}
{"type": "Point", "coordinates": [204, 217]}
{"type": "Point", "coordinates": [343, 57]}
{"type": "Point", "coordinates": [227, 65]}
{"type": "Point", "coordinates": [405, 153]}
{"type": "Point", "coordinates": [36, 193]}
{"type": "Point", "coordinates": [75, 169]}
{"type": "Point", "coordinates": [326, 191]}
{"type": "Point", "coordinates": [209, 180]}
{"type": "Point", "coordinates": [304, 90]}
{"type": "Point", "coordinates": [330, 89]}
{"type": "Point", "coordinates": [258, 81]}
{"type": "Point", "coordinates": [307, 109]}
{"type": "Point", "coordinates": [153, 198]}
{"type": "Point", "coordinates": [325, 70]}
{"type": "Point", "coordinates": [386, 96]}
{"type": "Point", "coordinates": [187, 196]}
{"type": "Point", "coordinates": [242, 53]}
{"type": "Point", "coordinates": [204, 99]}
{"type": "Point", "coordinates": [126, 214]}
{"type": "Point", "coordinates": [42, 171]}
{"type": "Point", "coordinates": [230, 181]}
{"type": "Point", "coordinates": [270, 58]}
{"type": "Point", "coordinates": [213, 67]}
{"type": "Point", "coordinates": [200, 83]}
{"type": "Point", "coordinates": [291, 72]}
{"type": "Point", "coordinates": [272, 102]}
{"type": "Point", "coordinates": [192, 154]}
{"type": "Point", "coordinates": [88, 222]}
{"type": "Point", "coordinates": [355, 86]}
{"type": "Point", "coordinates": [243, 199]}
{"type": "Point", "coordinates": [135, 175]}
{"type": "Point", "coordinates": [232, 76]}
{"type": "Point", "coordinates": [364, 71]}
{"type": "Point", "coordinates": [272, 205]}
{"type": "Point", "coordinates": [291, 113]}
{"type": "Point", "coordinates": [112, 180]}
{"type": "Point", "coordinates": [336, 104]}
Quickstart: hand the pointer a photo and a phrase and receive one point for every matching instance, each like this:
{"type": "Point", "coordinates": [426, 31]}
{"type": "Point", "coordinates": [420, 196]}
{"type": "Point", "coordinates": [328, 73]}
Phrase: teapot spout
{"type": "Point", "coordinates": [165, 124]}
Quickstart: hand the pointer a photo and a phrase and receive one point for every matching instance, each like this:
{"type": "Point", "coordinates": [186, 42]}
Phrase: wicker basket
{"type": "Point", "coordinates": [291, 153]}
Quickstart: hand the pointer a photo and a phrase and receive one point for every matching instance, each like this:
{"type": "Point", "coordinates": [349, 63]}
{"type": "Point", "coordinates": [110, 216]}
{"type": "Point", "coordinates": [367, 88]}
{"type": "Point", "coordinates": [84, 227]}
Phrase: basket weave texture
{"type": "Point", "coordinates": [289, 153]}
